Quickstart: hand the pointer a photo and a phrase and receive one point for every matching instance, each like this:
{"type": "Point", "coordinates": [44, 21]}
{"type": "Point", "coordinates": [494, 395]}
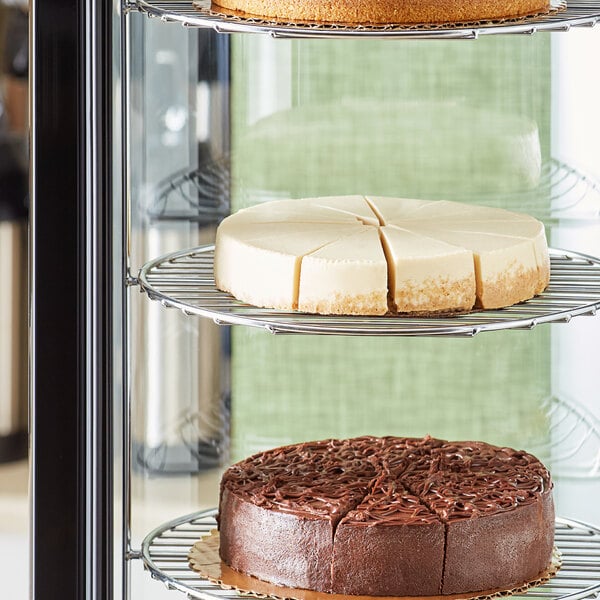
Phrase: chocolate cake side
{"type": "Point", "coordinates": [501, 550]}
{"type": "Point", "coordinates": [279, 510]}
{"type": "Point", "coordinates": [282, 548]}
{"type": "Point", "coordinates": [389, 517]}
{"type": "Point", "coordinates": [390, 545]}
{"type": "Point", "coordinates": [499, 515]}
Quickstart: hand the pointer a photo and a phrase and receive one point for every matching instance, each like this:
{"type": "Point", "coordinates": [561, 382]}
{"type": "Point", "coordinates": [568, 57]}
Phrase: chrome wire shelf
{"type": "Point", "coordinates": [165, 551]}
{"type": "Point", "coordinates": [578, 13]}
{"type": "Point", "coordinates": [563, 192]}
{"type": "Point", "coordinates": [202, 194]}
{"type": "Point", "coordinates": [185, 280]}
{"type": "Point", "coordinates": [571, 447]}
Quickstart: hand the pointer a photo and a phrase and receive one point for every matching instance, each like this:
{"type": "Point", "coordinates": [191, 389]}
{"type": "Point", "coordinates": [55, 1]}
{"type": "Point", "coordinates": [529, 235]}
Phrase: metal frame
{"type": "Point", "coordinates": [125, 543]}
{"type": "Point", "coordinates": [72, 331]}
{"type": "Point", "coordinates": [128, 281]}
{"type": "Point", "coordinates": [578, 13]}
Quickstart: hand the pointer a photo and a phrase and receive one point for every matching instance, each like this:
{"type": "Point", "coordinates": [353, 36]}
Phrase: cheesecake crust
{"type": "Point", "coordinates": [513, 287]}
{"type": "Point", "coordinates": [435, 296]}
{"type": "Point", "coordinates": [341, 304]}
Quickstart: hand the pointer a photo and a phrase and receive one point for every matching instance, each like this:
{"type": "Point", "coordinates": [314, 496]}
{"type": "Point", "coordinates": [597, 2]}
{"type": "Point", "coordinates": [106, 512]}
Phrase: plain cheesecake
{"type": "Point", "coordinates": [357, 255]}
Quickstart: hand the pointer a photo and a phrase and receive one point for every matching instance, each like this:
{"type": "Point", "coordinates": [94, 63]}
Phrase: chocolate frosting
{"type": "Point", "coordinates": [390, 480]}
{"type": "Point", "coordinates": [324, 479]}
{"type": "Point", "coordinates": [391, 504]}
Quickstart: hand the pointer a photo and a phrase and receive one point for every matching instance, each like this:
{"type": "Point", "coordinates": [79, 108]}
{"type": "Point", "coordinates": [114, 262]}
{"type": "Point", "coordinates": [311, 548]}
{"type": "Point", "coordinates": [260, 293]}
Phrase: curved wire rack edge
{"type": "Point", "coordinates": [578, 13]}
{"type": "Point", "coordinates": [189, 582]}
{"type": "Point", "coordinates": [281, 322]}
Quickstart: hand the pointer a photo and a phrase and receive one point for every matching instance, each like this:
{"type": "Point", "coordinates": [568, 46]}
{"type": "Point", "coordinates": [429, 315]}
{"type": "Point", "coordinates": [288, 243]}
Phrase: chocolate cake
{"type": "Point", "coordinates": [388, 517]}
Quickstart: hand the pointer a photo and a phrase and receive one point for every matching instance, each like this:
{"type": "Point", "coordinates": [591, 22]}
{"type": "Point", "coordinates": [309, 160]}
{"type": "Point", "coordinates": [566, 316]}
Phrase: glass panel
{"type": "Point", "coordinates": [220, 122]}
{"type": "Point", "coordinates": [178, 127]}
{"type": "Point", "coordinates": [575, 376]}
{"type": "Point", "coordinates": [461, 121]}
{"type": "Point", "coordinates": [415, 119]}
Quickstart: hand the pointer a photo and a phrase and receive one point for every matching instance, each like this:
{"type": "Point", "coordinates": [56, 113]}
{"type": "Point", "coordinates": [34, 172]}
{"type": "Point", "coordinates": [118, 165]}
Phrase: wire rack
{"type": "Point", "coordinates": [577, 13]}
{"type": "Point", "coordinates": [185, 280]}
{"type": "Point", "coordinates": [202, 194]}
{"type": "Point", "coordinates": [572, 445]}
{"type": "Point", "coordinates": [165, 550]}
{"type": "Point", "coordinates": [563, 192]}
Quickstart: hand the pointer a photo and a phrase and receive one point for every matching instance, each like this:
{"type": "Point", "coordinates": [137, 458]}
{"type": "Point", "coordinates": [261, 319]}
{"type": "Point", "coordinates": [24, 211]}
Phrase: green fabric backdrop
{"type": "Point", "coordinates": [287, 389]}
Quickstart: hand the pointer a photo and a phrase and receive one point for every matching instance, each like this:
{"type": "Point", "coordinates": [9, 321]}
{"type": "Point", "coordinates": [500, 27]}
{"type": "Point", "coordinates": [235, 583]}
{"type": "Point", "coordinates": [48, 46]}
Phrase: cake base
{"type": "Point", "coordinates": [213, 10]}
{"type": "Point", "coordinates": [204, 559]}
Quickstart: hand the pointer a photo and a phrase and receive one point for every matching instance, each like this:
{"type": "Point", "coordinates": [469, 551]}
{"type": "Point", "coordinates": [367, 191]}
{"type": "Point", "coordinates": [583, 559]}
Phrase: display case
{"type": "Point", "coordinates": [152, 121]}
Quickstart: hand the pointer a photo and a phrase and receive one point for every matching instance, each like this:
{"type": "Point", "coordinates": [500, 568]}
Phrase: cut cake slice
{"type": "Point", "coordinates": [348, 276]}
{"type": "Point", "coordinates": [390, 209]}
{"type": "Point", "coordinates": [323, 481]}
{"type": "Point", "coordinates": [355, 206]}
{"type": "Point", "coordinates": [448, 210]}
{"type": "Point", "coordinates": [506, 268]}
{"type": "Point", "coordinates": [265, 271]}
{"type": "Point", "coordinates": [530, 229]}
{"type": "Point", "coordinates": [307, 210]}
{"type": "Point", "coordinates": [400, 535]}
{"type": "Point", "coordinates": [428, 275]}
{"type": "Point", "coordinates": [469, 480]}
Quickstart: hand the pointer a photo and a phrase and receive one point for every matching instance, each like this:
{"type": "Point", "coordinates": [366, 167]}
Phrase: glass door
{"type": "Point", "coordinates": [217, 123]}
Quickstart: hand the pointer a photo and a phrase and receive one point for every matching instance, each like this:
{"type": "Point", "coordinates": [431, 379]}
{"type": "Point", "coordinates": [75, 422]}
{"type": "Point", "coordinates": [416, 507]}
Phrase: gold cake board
{"type": "Point", "coordinates": [204, 559]}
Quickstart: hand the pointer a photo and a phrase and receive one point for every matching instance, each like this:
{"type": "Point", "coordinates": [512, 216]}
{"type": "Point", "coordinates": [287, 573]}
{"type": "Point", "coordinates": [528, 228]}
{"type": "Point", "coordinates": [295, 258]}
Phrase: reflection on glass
{"type": "Point", "coordinates": [461, 121]}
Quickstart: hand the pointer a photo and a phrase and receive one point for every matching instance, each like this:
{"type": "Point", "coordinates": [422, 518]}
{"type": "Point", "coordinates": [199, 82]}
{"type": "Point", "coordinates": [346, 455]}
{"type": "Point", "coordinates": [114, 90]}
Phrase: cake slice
{"type": "Point", "coordinates": [447, 210]}
{"type": "Point", "coordinates": [298, 494]}
{"type": "Point", "coordinates": [471, 481]}
{"type": "Point", "coordinates": [506, 268]}
{"type": "Point", "coordinates": [530, 229]}
{"type": "Point", "coordinates": [264, 270]}
{"type": "Point", "coordinates": [254, 232]}
{"type": "Point", "coordinates": [381, 545]}
{"type": "Point", "coordinates": [428, 275]}
{"type": "Point", "coordinates": [390, 210]}
{"type": "Point", "coordinates": [345, 277]}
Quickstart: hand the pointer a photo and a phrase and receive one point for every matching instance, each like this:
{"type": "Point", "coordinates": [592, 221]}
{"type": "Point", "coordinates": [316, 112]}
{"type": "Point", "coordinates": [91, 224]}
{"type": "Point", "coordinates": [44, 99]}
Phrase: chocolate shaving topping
{"type": "Point", "coordinates": [380, 481]}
